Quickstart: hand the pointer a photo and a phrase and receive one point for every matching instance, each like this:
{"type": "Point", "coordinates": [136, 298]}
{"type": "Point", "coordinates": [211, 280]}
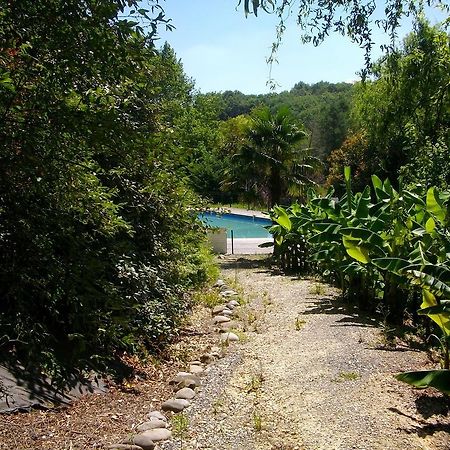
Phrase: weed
{"type": "Point", "coordinates": [217, 405]}
{"type": "Point", "coordinates": [207, 297]}
{"type": "Point", "coordinates": [257, 421]}
{"type": "Point", "coordinates": [180, 424]}
{"type": "Point", "coordinates": [240, 334]}
{"type": "Point", "coordinates": [346, 376]}
{"type": "Point", "coordinates": [255, 383]}
{"type": "Point", "coordinates": [266, 299]}
{"type": "Point", "coordinates": [299, 323]}
{"type": "Point", "coordinates": [317, 289]}
{"type": "Point", "coordinates": [251, 317]}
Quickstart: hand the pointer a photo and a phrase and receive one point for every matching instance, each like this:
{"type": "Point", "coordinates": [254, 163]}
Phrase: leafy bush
{"type": "Point", "coordinates": [97, 238]}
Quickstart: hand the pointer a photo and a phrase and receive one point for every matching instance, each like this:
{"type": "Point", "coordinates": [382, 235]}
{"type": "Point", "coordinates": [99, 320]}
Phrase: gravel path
{"type": "Point", "coordinates": [310, 375]}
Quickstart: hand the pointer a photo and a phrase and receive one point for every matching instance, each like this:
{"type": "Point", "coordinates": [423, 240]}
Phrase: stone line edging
{"type": "Point", "coordinates": [185, 383]}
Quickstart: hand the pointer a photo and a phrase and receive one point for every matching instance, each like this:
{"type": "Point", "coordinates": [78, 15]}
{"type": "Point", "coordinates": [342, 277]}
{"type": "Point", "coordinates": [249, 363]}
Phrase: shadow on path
{"type": "Point", "coordinates": [335, 306]}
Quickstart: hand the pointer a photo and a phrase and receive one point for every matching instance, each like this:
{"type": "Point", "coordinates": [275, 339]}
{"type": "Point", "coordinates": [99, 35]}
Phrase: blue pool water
{"type": "Point", "coordinates": [242, 226]}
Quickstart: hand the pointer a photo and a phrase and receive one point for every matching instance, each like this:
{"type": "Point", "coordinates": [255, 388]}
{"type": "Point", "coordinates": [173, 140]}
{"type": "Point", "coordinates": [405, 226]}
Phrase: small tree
{"type": "Point", "coordinates": [272, 155]}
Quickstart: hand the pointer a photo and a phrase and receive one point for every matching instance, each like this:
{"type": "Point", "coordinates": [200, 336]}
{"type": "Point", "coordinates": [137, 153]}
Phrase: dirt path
{"type": "Point", "coordinates": [309, 375]}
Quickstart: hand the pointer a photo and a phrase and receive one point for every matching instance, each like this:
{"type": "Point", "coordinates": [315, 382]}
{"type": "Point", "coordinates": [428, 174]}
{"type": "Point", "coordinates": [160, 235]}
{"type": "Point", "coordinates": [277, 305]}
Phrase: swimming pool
{"type": "Point", "coordinates": [242, 226]}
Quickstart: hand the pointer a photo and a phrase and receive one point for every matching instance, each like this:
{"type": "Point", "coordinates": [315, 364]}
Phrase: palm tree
{"type": "Point", "coordinates": [272, 159]}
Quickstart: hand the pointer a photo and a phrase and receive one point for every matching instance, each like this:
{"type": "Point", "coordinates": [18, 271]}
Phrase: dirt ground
{"type": "Point", "coordinates": [309, 373]}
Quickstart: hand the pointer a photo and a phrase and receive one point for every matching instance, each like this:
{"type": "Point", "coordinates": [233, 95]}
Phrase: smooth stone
{"type": "Point", "coordinates": [124, 447]}
{"type": "Point", "coordinates": [229, 293]}
{"type": "Point", "coordinates": [141, 441]}
{"type": "Point", "coordinates": [196, 369]}
{"type": "Point", "coordinates": [175, 405]}
{"type": "Point", "coordinates": [196, 363]}
{"type": "Point", "coordinates": [219, 283]}
{"type": "Point", "coordinates": [157, 423]}
{"type": "Point", "coordinates": [232, 304]}
{"type": "Point", "coordinates": [157, 434]}
{"type": "Point", "coordinates": [156, 415]}
{"type": "Point", "coordinates": [221, 319]}
{"type": "Point", "coordinates": [218, 309]}
{"type": "Point", "coordinates": [186, 393]}
{"type": "Point", "coordinates": [185, 379]}
{"type": "Point", "coordinates": [182, 374]}
{"type": "Point", "coordinates": [224, 288]}
{"type": "Point", "coordinates": [227, 312]}
{"type": "Point", "coordinates": [229, 337]}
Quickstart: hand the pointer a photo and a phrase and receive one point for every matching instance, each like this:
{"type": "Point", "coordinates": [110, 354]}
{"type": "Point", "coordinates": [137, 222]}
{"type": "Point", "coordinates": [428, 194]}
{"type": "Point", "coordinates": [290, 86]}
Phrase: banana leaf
{"type": "Point", "coordinates": [363, 235]}
{"type": "Point", "coordinates": [439, 379]}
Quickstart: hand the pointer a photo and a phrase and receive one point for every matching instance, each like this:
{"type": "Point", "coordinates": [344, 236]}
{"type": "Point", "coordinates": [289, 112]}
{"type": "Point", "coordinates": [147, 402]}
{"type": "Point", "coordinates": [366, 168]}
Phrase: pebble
{"type": "Point", "coordinates": [141, 441]}
{"type": "Point", "coordinates": [124, 447]}
{"type": "Point", "coordinates": [175, 405]}
{"type": "Point", "coordinates": [229, 337]}
{"type": "Point", "coordinates": [196, 369]}
{"type": "Point", "coordinates": [156, 415]}
{"type": "Point", "coordinates": [227, 312]}
{"type": "Point", "coordinates": [186, 393]}
{"type": "Point", "coordinates": [157, 423]}
{"type": "Point", "coordinates": [157, 434]}
{"type": "Point", "coordinates": [224, 288]}
{"type": "Point", "coordinates": [221, 319]}
{"type": "Point", "coordinates": [232, 304]}
{"type": "Point", "coordinates": [228, 293]}
{"type": "Point", "coordinates": [219, 283]}
{"type": "Point", "coordinates": [218, 309]}
{"type": "Point", "coordinates": [185, 379]}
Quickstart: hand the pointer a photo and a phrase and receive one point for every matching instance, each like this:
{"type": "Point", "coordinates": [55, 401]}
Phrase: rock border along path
{"type": "Point", "coordinates": [308, 374]}
{"type": "Point", "coordinates": [185, 384]}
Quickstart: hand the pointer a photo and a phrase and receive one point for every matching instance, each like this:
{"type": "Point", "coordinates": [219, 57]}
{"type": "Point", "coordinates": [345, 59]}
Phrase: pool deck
{"type": "Point", "coordinates": [248, 246]}
{"type": "Point", "coordinates": [242, 212]}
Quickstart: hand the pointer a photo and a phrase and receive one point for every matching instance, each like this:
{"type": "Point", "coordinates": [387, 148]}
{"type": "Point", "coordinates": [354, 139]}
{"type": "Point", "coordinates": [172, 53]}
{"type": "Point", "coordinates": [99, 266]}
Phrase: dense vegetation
{"type": "Point", "coordinates": [388, 245]}
{"type": "Point", "coordinates": [106, 150]}
{"type": "Point", "coordinates": [223, 130]}
{"type": "Point", "coordinates": [387, 249]}
{"type": "Point", "coordinates": [97, 238]}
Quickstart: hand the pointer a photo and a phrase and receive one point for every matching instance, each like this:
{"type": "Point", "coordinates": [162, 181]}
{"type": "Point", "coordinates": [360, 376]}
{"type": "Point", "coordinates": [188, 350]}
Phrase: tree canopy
{"type": "Point", "coordinates": [317, 19]}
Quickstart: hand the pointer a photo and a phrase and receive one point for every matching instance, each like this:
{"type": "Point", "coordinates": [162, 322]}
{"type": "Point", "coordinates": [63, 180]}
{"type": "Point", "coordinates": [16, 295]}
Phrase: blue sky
{"type": "Point", "coordinates": [222, 50]}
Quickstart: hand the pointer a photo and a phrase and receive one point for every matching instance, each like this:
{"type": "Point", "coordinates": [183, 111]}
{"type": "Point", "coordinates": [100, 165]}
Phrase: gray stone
{"type": "Point", "coordinates": [232, 304]}
{"type": "Point", "coordinates": [219, 283]}
{"type": "Point", "coordinates": [229, 337]}
{"type": "Point", "coordinates": [124, 447]}
{"type": "Point", "coordinates": [196, 369]}
{"type": "Point", "coordinates": [150, 425]}
{"type": "Point", "coordinates": [157, 434]}
{"type": "Point", "coordinates": [185, 379]}
{"type": "Point", "coordinates": [218, 309]}
{"type": "Point", "coordinates": [156, 415]}
{"type": "Point", "coordinates": [224, 288]}
{"type": "Point", "coordinates": [141, 441]}
{"type": "Point", "coordinates": [186, 393]}
{"type": "Point", "coordinates": [221, 319]}
{"type": "Point", "coordinates": [227, 312]}
{"type": "Point", "coordinates": [229, 293]}
{"type": "Point", "coordinates": [175, 405]}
